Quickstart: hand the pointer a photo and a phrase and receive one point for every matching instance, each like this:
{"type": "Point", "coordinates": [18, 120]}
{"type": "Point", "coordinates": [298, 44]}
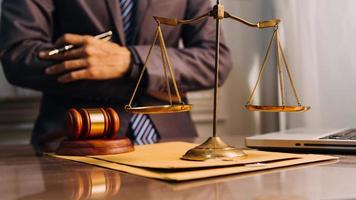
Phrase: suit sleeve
{"type": "Point", "coordinates": [27, 28]}
{"type": "Point", "coordinates": [193, 65]}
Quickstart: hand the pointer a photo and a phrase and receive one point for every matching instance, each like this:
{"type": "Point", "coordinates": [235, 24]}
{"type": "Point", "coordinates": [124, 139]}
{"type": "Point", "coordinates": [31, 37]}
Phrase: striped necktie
{"type": "Point", "coordinates": [141, 128]}
{"type": "Point", "coordinates": [127, 13]}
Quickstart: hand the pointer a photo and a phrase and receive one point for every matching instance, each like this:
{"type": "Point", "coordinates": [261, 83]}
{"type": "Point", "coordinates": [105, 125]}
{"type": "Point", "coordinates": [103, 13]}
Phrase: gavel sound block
{"type": "Point", "coordinates": [93, 132]}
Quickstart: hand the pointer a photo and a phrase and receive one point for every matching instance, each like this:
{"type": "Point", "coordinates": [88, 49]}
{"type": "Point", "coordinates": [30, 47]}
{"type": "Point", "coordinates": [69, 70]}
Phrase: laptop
{"type": "Point", "coordinates": [320, 140]}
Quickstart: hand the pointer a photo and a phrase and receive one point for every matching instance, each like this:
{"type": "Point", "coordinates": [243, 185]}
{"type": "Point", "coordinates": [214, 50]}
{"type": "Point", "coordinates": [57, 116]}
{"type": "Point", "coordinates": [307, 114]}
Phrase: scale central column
{"type": "Point", "coordinates": [214, 147]}
{"type": "Point", "coordinates": [218, 7]}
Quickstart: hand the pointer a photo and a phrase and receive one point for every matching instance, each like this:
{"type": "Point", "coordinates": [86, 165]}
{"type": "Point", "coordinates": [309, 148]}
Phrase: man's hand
{"type": "Point", "coordinates": [93, 59]}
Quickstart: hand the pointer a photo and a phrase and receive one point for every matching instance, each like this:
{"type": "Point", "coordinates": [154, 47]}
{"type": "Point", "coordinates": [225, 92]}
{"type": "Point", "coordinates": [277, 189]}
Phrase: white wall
{"type": "Point", "coordinates": [319, 39]}
{"type": "Point", "coordinates": [248, 47]}
{"type": "Point", "coordinates": [320, 42]}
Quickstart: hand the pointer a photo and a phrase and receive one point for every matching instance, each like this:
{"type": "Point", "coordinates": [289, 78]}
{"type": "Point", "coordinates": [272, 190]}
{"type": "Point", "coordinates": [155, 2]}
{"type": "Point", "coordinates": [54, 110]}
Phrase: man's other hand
{"type": "Point", "coordinates": [94, 59]}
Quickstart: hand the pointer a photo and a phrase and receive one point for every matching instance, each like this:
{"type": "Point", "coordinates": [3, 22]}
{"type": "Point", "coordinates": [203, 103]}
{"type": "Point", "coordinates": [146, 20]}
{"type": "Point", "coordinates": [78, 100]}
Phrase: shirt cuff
{"type": "Point", "coordinates": [136, 64]}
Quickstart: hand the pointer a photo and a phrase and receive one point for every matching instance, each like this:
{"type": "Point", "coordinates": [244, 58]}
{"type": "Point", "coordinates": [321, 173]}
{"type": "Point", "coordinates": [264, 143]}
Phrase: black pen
{"type": "Point", "coordinates": [102, 36]}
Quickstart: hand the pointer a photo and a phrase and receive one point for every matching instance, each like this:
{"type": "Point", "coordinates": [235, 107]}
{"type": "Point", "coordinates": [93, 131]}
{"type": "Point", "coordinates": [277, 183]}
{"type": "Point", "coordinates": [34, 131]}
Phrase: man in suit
{"type": "Point", "coordinates": [104, 73]}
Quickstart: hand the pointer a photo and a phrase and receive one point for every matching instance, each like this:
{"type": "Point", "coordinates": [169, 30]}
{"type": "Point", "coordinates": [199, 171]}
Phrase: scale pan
{"type": "Point", "coordinates": [159, 109]}
{"type": "Point", "coordinates": [277, 108]}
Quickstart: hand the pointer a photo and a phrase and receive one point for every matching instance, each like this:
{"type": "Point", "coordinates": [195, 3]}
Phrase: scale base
{"type": "Point", "coordinates": [214, 148]}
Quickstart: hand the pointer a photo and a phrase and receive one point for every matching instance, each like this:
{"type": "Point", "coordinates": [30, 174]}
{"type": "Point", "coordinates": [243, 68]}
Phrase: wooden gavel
{"type": "Point", "coordinates": [84, 124]}
{"type": "Point", "coordinates": [93, 132]}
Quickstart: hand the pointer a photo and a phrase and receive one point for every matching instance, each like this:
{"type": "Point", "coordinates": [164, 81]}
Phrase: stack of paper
{"type": "Point", "coordinates": [162, 161]}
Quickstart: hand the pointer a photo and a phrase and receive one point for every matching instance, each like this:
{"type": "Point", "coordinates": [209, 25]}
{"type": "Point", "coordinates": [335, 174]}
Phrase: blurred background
{"type": "Point", "coordinates": [319, 40]}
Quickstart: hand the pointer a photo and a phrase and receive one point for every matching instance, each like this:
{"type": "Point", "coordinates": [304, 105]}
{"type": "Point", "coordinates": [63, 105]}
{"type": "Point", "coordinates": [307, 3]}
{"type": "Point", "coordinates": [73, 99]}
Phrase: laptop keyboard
{"type": "Point", "coordinates": [345, 135]}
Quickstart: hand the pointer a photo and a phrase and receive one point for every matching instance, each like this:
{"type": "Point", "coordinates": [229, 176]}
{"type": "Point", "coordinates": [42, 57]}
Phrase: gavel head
{"type": "Point", "coordinates": [92, 123]}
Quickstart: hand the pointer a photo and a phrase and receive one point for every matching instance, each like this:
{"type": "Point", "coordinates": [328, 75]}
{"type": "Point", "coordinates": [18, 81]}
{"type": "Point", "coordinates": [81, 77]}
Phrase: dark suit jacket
{"type": "Point", "coordinates": [28, 26]}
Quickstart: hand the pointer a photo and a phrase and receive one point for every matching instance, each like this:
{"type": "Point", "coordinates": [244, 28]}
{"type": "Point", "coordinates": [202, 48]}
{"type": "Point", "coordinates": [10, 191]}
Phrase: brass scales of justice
{"type": "Point", "coordinates": [214, 147]}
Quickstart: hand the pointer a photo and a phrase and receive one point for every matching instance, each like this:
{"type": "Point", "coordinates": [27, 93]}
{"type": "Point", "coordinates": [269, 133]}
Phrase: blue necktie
{"type": "Point", "coordinates": [127, 13]}
{"type": "Point", "coordinates": [141, 127]}
{"type": "Point", "coordinates": [143, 130]}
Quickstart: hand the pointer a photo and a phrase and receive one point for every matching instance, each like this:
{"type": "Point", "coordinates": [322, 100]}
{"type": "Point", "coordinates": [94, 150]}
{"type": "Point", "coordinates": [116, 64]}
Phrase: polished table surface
{"type": "Point", "coordinates": [25, 174]}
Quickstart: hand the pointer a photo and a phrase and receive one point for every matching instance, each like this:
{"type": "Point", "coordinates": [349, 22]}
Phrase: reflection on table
{"type": "Point", "coordinates": [27, 176]}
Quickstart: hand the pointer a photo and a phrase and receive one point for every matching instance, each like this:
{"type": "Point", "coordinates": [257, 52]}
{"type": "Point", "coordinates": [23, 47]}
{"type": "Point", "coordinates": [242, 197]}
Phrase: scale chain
{"type": "Point", "coordinates": [164, 66]}
{"type": "Point", "coordinates": [261, 69]}
{"type": "Point", "coordinates": [280, 72]}
{"type": "Point", "coordinates": [289, 74]}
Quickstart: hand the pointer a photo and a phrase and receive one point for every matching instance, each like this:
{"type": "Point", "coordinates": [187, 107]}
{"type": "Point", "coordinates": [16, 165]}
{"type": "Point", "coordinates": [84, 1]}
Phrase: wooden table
{"type": "Point", "coordinates": [23, 175]}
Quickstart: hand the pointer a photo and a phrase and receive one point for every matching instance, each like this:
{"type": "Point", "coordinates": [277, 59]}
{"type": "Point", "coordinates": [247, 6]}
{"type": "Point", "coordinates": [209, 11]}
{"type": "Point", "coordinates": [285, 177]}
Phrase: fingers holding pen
{"type": "Point", "coordinates": [78, 53]}
{"type": "Point", "coordinates": [89, 58]}
{"type": "Point", "coordinates": [83, 44]}
{"type": "Point", "coordinates": [87, 73]}
{"type": "Point", "coordinates": [75, 75]}
{"type": "Point", "coordinates": [83, 69]}
{"type": "Point", "coordinates": [66, 66]}
{"type": "Point", "coordinates": [75, 40]}
{"type": "Point", "coordinates": [81, 52]}
{"type": "Point", "coordinates": [73, 70]}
